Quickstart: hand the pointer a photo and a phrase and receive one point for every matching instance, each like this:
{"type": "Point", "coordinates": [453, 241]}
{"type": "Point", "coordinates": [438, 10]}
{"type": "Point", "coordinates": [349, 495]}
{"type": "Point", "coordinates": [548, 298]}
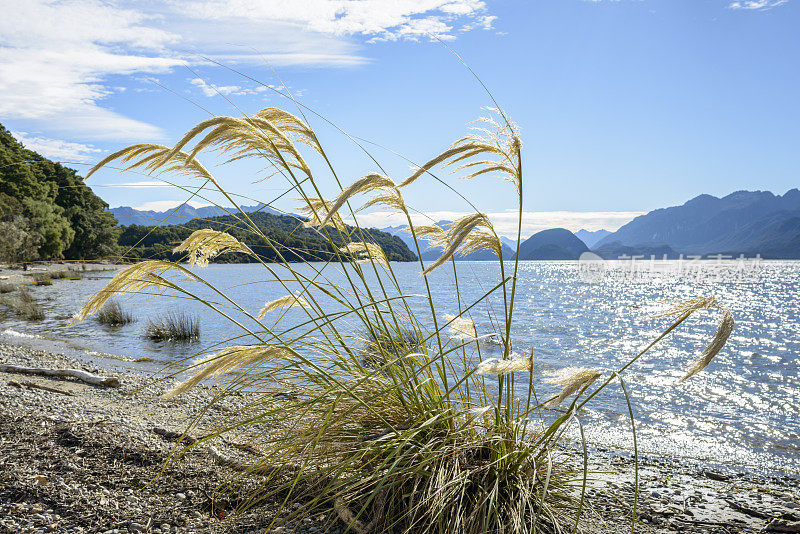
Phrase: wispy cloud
{"type": "Point", "coordinates": [505, 222]}
{"type": "Point", "coordinates": [756, 4]}
{"type": "Point", "coordinates": [144, 184]}
{"type": "Point", "coordinates": [56, 57]}
{"type": "Point", "coordinates": [56, 149]}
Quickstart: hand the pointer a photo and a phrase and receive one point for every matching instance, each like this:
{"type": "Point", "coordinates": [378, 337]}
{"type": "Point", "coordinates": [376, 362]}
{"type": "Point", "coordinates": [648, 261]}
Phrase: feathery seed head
{"type": "Point", "coordinates": [494, 366]}
{"type": "Point", "coordinates": [229, 359]}
{"type": "Point", "coordinates": [721, 336]}
{"type": "Point", "coordinates": [133, 278]}
{"type": "Point", "coordinates": [205, 244]}
{"type": "Point", "coordinates": [461, 327]}
{"type": "Point", "coordinates": [289, 301]}
{"type": "Point", "coordinates": [362, 185]}
{"type": "Point", "coordinates": [365, 252]}
{"type": "Point", "coordinates": [459, 234]}
{"type": "Point", "coordinates": [317, 210]}
{"type": "Point", "coordinates": [572, 379]}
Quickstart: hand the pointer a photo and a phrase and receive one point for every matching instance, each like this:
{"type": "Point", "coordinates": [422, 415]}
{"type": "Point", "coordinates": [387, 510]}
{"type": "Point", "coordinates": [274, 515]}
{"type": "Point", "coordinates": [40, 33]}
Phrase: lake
{"type": "Point", "coordinates": [743, 411]}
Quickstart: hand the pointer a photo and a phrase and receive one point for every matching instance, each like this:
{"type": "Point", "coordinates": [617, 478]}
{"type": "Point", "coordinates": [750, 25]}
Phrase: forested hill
{"type": "Point", "coordinates": [294, 242]}
{"type": "Point", "coordinates": [47, 212]}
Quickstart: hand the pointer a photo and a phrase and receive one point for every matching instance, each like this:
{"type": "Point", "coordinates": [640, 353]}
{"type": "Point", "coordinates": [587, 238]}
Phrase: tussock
{"type": "Point", "coordinates": [112, 314]}
{"type": "Point", "coordinates": [173, 327]}
{"type": "Point", "coordinates": [391, 433]}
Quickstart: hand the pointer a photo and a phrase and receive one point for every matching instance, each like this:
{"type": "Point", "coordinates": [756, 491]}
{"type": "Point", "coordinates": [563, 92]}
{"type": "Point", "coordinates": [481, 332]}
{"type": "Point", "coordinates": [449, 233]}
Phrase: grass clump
{"type": "Point", "coordinates": [173, 327]}
{"type": "Point", "coordinates": [43, 279]}
{"type": "Point", "coordinates": [425, 434]}
{"type": "Point", "coordinates": [5, 287]}
{"type": "Point", "coordinates": [113, 314]}
{"type": "Point", "coordinates": [23, 305]}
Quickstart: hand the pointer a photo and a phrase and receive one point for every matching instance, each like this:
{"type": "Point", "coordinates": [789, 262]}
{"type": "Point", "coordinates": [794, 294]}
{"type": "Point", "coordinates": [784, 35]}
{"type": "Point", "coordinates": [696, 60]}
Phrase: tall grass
{"type": "Point", "coordinates": [173, 327]}
{"type": "Point", "coordinates": [398, 422]}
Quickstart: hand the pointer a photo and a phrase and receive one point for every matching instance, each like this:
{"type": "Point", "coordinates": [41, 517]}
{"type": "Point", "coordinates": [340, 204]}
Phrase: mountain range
{"type": "Point", "coordinates": [744, 222]}
{"type": "Point", "coordinates": [126, 215]}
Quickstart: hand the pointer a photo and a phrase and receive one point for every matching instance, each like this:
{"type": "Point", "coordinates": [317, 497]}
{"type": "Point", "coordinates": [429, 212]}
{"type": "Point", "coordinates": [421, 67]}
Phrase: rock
{"type": "Point", "coordinates": [180, 496]}
{"type": "Point", "coordinates": [783, 525]}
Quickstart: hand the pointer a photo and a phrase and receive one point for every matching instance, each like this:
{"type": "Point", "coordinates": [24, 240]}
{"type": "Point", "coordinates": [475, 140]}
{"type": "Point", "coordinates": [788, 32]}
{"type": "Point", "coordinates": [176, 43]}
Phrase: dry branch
{"type": "Point", "coordinates": [33, 385]}
{"type": "Point", "coordinates": [83, 376]}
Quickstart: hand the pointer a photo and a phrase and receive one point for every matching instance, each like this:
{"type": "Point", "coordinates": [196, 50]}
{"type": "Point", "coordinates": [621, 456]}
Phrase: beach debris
{"type": "Point", "coordinates": [83, 376]}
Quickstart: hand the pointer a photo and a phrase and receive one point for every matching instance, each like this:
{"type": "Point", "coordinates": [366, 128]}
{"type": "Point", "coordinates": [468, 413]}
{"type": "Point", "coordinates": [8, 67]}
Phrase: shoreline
{"type": "Point", "coordinates": [114, 425]}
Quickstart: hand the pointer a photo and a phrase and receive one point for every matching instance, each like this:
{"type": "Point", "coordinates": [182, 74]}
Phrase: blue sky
{"type": "Point", "coordinates": [624, 106]}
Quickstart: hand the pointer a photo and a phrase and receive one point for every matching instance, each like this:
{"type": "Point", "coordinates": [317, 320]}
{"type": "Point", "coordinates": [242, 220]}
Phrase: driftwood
{"type": "Point", "coordinates": [33, 385]}
{"type": "Point", "coordinates": [355, 524]}
{"type": "Point", "coordinates": [83, 376]}
{"type": "Point", "coordinates": [219, 458]}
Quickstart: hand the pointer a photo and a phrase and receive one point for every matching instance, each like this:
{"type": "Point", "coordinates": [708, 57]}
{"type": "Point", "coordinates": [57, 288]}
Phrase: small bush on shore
{"type": "Point", "coordinates": [425, 435]}
{"type": "Point", "coordinates": [173, 327]}
{"type": "Point", "coordinates": [43, 279]}
{"type": "Point", "coordinates": [113, 314]}
{"type": "Point", "coordinates": [22, 304]}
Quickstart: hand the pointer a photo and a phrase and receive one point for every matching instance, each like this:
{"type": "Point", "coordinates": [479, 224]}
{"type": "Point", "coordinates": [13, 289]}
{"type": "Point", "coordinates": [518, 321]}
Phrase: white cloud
{"type": "Point", "coordinates": [756, 4]}
{"type": "Point", "coordinates": [56, 149]}
{"type": "Point", "coordinates": [163, 205]}
{"type": "Point", "coordinates": [505, 222]}
{"type": "Point", "coordinates": [145, 184]}
{"type": "Point", "coordinates": [57, 56]}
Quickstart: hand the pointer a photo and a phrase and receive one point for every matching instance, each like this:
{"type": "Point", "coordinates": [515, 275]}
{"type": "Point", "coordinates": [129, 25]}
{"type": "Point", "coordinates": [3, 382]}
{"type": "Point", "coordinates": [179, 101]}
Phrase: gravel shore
{"type": "Point", "coordinates": [86, 459]}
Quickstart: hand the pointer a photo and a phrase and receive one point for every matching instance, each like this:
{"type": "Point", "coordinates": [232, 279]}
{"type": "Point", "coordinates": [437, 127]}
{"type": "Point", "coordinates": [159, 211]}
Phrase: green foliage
{"type": "Point", "coordinates": [47, 210]}
{"type": "Point", "coordinates": [287, 234]}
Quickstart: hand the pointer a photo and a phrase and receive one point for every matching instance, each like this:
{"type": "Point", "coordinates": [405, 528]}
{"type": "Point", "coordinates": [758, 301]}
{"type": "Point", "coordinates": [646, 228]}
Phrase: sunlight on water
{"type": "Point", "coordinates": [744, 410]}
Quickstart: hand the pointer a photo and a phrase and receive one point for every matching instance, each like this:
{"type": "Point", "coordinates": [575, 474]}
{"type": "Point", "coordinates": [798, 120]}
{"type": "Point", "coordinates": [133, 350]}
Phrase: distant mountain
{"type": "Point", "coordinates": [748, 222]}
{"type": "Point", "coordinates": [126, 215]}
{"type": "Point", "coordinates": [553, 244]}
{"type": "Point", "coordinates": [510, 243]}
{"type": "Point", "coordinates": [288, 240]}
{"type": "Point", "coordinates": [429, 253]}
{"type": "Point", "coordinates": [591, 238]}
{"type": "Point", "coordinates": [616, 251]}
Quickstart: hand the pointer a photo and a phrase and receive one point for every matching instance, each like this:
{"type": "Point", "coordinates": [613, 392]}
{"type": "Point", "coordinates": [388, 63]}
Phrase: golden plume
{"type": "Point", "coordinates": [133, 278]}
{"type": "Point", "coordinates": [365, 252]}
{"type": "Point", "coordinates": [289, 301]}
{"type": "Point", "coordinates": [497, 141]}
{"type": "Point", "coordinates": [461, 326]}
{"type": "Point", "coordinates": [368, 183]}
{"type": "Point", "coordinates": [317, 209]}
{"type": "Point", "coordinates": [571, 379]}
{"type": "Point", "coordinates": [205, 244]}
{"type": "Point", "coordinates": [229, 359]}
{"type": "Point", "coordinates": [459, 234]}
{"type": "Point", "coordinates": [721, 336]}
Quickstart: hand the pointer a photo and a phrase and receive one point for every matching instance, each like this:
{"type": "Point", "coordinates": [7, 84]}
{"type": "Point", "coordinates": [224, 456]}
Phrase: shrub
{"type": "Point", "coordinates": [173, 327]}
{"type": "Point", "coordinates": [423, 435]}
{"type": "Point", "coordinates": [22, 304]}
{"type": "Point", "coordinates": [42, 279]}
{"type": "Point", "coordinates": [113, 314]}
